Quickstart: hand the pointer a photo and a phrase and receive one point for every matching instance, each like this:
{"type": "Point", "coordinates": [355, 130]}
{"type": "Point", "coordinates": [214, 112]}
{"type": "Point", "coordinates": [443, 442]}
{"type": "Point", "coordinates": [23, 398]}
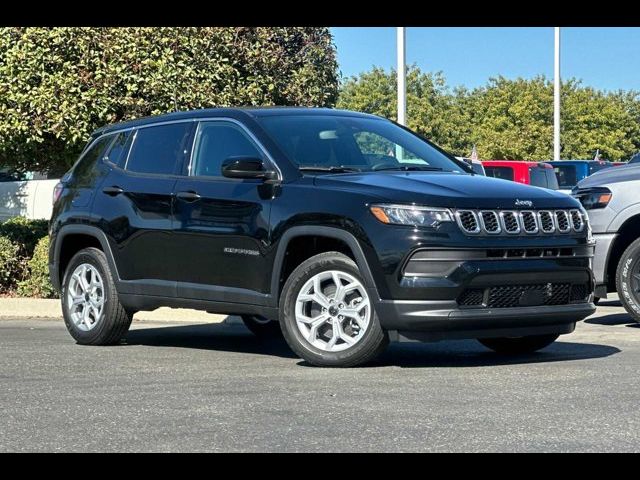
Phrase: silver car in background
{"type": "Point", "coordinates": [612, 200]}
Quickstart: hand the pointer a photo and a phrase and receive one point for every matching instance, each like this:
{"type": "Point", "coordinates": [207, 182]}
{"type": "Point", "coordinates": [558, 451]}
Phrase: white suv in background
{"type": "Point", "coordinates": [28, 195]}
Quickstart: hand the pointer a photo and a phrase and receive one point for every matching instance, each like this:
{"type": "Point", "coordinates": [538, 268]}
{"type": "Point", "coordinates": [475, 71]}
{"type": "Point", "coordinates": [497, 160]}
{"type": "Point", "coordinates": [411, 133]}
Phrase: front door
{"type": "Point", "coordinates": [221, 225]}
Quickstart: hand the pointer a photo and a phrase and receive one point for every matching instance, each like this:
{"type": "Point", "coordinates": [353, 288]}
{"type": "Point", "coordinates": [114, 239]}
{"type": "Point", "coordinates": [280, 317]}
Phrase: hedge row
{"type": "Point", "coordinates": [24, 247]}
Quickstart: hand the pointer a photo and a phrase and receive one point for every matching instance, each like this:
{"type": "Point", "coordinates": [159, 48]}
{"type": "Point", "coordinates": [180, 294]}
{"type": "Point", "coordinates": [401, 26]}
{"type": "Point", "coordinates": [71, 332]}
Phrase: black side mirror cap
{"type": "Point", "coordinates": [246, 168]}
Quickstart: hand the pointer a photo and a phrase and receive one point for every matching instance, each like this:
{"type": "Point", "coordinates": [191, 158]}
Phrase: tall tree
{"type": "Point", "coordinates": [59, 84]}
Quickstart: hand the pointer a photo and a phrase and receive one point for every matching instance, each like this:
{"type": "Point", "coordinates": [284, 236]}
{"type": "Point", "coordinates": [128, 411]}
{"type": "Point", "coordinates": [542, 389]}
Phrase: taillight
{"type": "Point", "coordinates": [57, 191]}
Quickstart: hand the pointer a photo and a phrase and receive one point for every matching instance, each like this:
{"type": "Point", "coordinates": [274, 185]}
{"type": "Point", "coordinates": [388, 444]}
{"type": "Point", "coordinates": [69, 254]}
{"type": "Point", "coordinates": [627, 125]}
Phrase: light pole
{"type": "Point", "coordinates": [556, 96]}
{"type": "Point", "coordinates": [402, 76]}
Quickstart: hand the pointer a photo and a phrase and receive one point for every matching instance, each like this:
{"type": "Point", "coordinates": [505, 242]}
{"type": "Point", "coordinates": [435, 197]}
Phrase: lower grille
{"type": "Point", "coordinates": [511, 296]}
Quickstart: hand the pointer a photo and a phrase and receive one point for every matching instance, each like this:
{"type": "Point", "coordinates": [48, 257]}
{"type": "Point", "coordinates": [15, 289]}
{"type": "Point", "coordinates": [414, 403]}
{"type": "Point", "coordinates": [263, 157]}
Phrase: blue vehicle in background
{"type": "Point", "coordinates": [570, 172]}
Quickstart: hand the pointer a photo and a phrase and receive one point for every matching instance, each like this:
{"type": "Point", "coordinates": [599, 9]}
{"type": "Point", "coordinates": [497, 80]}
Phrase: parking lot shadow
{"type": "Point", "coordinates": [459, 353]}
{"type": "Point", "coordinates": [613, 319]}
{"type": "Point", "coordinates": [208, 336]}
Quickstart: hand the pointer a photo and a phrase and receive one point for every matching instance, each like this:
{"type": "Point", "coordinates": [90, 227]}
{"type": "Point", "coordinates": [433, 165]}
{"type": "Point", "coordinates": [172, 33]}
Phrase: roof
{"type": "Point", "coordinates": [514, 163]}
{"type": "Point", "coordinates": [254, 112]}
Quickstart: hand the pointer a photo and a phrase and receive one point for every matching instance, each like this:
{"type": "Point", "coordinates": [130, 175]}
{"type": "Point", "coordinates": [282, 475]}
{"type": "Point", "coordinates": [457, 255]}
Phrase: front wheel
{"type": "Point", "coordinates": [327, 316]}
{"type": "Point", "coordinates": [628, 280]}
{"type": "Point", "coordinates": [262, 327]}
{"type": "Point", "coordinates": [519, 345]}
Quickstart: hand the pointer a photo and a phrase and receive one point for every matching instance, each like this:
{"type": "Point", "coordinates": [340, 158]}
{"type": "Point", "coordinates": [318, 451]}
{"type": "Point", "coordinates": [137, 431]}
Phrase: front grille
{"type": "Point", "coordinates": [517, 222]}
{"type": "Point", "coordinates": [468, 220]}
{"type": "Point", "coordinates": [547, 224]}
{"type": "Point", "coordinates": [471, 297]}
{"type": "Point", "coordinates": [512, 296]}
{"type": "Point", "coordinates": [577, 221]}
{"type": "Point", "coordinates": [510, 222]}
{"type": "Point", "coordinates": [490, 222]}
{"type": "Point", "coordinates": [529, 222]}
{"type": "Point", "coordinates": [562, 221]}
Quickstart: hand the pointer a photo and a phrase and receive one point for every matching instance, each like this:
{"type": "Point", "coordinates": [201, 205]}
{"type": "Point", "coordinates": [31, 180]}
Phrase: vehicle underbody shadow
{"type": "Point", "coordinates": [208, 336]}
{"type": "Point", "coordinates": [470, 353]}
{"type": "Point", "coordinates": [459, 353]}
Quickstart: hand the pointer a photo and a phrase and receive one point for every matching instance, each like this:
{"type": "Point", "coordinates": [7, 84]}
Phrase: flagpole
{"type": "Point", "coordinates": [402, 74]}
{"type": "Point", "coordinates": [556, 95]}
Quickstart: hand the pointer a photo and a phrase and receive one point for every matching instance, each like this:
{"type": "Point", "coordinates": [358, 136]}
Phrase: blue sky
{"type": "Point", "coordinates": [604, 58]}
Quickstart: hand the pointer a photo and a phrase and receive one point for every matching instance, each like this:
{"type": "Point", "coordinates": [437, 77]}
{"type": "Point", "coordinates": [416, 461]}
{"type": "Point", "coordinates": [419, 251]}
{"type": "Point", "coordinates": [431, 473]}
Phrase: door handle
{"type": "Point", "coordinates": [113, 191]}
{"type": "Point", "coordinates": [188, 196]}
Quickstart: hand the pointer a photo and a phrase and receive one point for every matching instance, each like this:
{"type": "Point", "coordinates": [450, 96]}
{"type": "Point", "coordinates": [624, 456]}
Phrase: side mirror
{"type": "Point", "coordinates": [246, 168]}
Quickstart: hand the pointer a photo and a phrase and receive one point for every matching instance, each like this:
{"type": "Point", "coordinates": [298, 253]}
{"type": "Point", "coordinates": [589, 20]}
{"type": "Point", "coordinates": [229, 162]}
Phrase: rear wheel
{"type": "Point", "coordinates": [513, 346]}
{"type": "Point", "coordinates": [628, 280]}
{"type": "Point", "coordinates": [90, 306]}
{"type": "Point", "coordinates": [327, 316]}
{"type": "Point", "coordinates": [262, 327]}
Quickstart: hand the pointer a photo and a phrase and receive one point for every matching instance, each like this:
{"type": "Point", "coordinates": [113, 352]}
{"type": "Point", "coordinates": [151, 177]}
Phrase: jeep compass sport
{"type": "Point", "coordinates": [340, 230]}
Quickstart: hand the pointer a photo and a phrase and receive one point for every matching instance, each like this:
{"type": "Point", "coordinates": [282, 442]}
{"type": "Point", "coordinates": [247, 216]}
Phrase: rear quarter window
{"type": "Point", "coordinates": [83, 171]}
{"type": "Point", "coordinates": [505, 173]}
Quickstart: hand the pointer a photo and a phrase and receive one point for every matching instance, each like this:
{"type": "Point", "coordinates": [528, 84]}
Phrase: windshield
{"type": "Point", "coordinates": [334, 144]}
{"type": "Point", "coordinates": [567, 176]}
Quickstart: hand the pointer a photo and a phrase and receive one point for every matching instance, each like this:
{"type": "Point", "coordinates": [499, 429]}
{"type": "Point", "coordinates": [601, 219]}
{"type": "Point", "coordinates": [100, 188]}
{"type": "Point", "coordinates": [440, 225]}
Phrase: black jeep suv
{"type": "Point", "coordinates": [341, 230]}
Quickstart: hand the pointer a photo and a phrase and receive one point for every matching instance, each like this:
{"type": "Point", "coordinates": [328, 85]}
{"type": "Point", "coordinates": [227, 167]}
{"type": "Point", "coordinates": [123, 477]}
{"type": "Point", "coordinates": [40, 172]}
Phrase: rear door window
{"type": "Point", "coordinates": [505, 173]}
{"type": "Point", "coordinates": [118, 150]}
{"type": "Point", "coordinates": [159, 149]}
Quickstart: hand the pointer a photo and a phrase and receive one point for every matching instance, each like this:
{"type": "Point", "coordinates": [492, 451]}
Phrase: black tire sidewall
{"type": "Point", "coordinates": [624, 280]}
{"type": "Point", "coordinates": [97, 259]}
{"type": "Point", "coordinates": [374, 338]}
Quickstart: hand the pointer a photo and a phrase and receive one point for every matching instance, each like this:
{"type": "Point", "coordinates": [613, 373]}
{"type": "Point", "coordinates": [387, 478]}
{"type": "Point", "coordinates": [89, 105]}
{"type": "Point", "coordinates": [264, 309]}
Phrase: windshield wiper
{"type": "Point", "coordinates": [411, 168]}
{"type": "Point", "coordinates": [309, 168]}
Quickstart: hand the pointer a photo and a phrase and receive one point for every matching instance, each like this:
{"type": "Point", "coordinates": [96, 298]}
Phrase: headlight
{"type": "Point", "coordinates": [593, 198]}
{"type": "Point", "coordinates": [411, 215]}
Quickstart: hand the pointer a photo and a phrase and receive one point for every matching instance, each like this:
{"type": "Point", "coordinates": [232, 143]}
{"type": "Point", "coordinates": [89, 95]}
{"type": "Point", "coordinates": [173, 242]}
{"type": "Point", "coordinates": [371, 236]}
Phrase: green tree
{"type": "Point", "coordinates": [58, 84]}
{"type": "Point", "coordinates": [506, 119]}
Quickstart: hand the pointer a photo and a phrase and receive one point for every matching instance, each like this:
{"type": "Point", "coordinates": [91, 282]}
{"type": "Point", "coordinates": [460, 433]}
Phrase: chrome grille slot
{"type": "Point", "coordinates": [547, 225]}
{"type": "Point", "coordinates": [562, 221]}
{"type": "Point", "coordinates": [490, 222]}
{"type": "Point", "coordinates": [510, 222]}
{"type": "Point", "coordinates": [529, 222]}
{"type": "Point", "coordinates": [577, 222]}
{"type": "Point", "coordinates": [468, 221]}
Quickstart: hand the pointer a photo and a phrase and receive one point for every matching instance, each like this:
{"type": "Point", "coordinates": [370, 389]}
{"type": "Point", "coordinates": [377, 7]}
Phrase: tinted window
{"type": "Point", "coordinates": [596, 167]}
{"type": "Point", "coordinates": [567, 176]}
{"type": "Point", "coordinates": [505, 173]}
{"type": "Point", "coordinates": [477, 168]}
{"type": "Point", "coordinates": [217, 141]}
{"type": "Point", "coordinates": [543, 177]}
{"type": "Point", "coordinates": [83, 169]}
{"type": "Point", "coordinates": [119, 147]}
{"type": "Point", "coordinates": [359, 143]}
{"type": "Point", "coordinates": [159, 149]}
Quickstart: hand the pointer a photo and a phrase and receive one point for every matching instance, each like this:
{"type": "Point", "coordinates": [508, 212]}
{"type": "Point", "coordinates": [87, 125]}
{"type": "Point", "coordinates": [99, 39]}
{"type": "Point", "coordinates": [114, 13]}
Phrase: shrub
{"type": "Point", "coordinates": [11, 268]}
{"type": "Point", "coordinates": [36, 282]}
{"type": "Point", "coordinates": [24, 233]}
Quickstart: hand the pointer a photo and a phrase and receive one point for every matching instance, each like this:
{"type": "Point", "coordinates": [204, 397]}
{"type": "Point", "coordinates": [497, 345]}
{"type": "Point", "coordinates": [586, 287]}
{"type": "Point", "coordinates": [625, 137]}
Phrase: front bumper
{"type": "Point", "coordinates": [434, 306]}
{"type": "Point", "coordinates": [604, 241]}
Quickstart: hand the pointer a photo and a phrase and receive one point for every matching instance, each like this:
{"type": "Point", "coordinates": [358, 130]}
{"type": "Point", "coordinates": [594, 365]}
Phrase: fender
{"type": "Point", "coordinates": [622, 216]}
{"type": "Point", "coordinates": [321, 231]}
{"type": "Point", "coordinates": [90, 231]}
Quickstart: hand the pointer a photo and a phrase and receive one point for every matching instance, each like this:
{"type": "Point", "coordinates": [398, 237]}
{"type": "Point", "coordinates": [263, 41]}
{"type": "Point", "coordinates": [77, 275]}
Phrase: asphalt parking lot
{"type": "Point", "coordinates": [215, 387]}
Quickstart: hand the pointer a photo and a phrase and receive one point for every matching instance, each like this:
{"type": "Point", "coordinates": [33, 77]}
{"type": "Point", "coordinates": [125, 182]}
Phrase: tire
{"type": "Point", "coordinates": [366, 339]}
{"type": "Point", "coordinates": [515, 346]}
{"type": "Point", "coordinates": [628, 280]}
{"type": "Point", "coordinates": [112, 321]}
{"type": "Point", "coordinates": [262, 327]}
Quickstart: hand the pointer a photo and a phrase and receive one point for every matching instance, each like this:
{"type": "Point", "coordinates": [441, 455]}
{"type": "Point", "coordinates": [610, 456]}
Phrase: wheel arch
{"type": "Point", "coordinates": [628, 232]}
{"type": "Point", "coordinates": [72, 238]}
{"type": "Point", "coordinates": [319, 232]}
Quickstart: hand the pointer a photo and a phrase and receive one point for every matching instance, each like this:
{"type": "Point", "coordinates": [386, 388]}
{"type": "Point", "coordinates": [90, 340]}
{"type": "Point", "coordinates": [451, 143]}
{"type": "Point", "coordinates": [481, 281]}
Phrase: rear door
{"type": "Point", "coordinates": [222, 224]}
{"type": "Point", "coordinates": [135, 200]}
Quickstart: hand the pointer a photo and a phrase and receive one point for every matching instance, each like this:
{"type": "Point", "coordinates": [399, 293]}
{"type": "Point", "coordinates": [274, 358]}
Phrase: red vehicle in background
{"type": "Point", "coordinates": [538, 174]}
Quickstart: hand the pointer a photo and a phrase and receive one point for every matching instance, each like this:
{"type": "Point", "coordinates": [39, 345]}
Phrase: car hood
{"type": "Point", "coordinates": [625, 173]}
{"type": "Point", "coordinates": [444, 189]}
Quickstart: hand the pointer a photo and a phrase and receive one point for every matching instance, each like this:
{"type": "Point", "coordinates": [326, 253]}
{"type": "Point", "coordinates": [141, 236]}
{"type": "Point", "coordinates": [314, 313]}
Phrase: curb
{"type": "Point", "coordinates": [50, 308]}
